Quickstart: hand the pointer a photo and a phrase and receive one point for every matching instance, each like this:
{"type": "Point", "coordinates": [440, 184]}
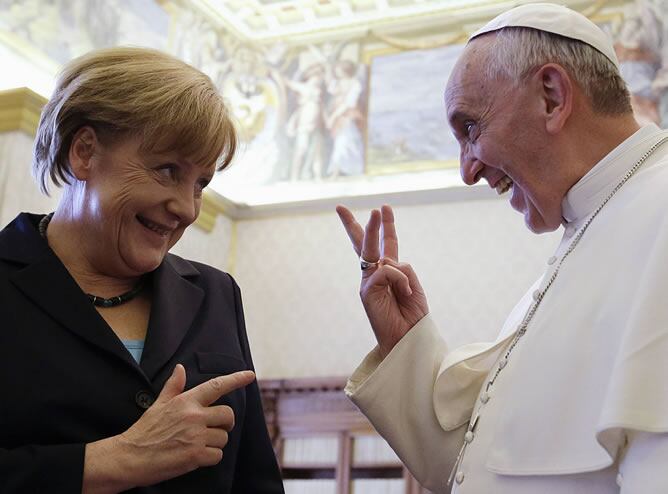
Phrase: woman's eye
{"type": "Point", "coordinates": [167, 171]}
{"type": "Point", "coordinates": [200, 186]}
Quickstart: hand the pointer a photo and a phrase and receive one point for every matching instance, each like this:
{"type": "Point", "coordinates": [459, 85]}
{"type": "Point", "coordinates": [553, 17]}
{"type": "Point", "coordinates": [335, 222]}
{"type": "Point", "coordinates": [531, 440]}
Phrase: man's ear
{"type": "Point", "coordinates": [557, 95]}
{"type": "Point", "coordinates": [82, 148]}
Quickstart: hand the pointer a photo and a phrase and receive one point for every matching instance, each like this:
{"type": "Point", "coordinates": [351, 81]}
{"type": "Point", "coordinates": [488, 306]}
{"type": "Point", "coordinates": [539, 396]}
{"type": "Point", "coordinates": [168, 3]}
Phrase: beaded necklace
{"type": "Point", "coordinates": [95, 299]}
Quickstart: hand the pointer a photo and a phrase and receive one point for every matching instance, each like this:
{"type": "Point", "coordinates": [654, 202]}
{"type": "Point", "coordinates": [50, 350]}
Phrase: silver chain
{"type": "Point", "coordinates": [538, 298]}
{"type": "Point", "coordinates": [541, 293]}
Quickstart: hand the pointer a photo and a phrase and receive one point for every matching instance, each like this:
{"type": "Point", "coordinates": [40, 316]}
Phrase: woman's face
{"type": "Point", "coordinates": [136, 205]}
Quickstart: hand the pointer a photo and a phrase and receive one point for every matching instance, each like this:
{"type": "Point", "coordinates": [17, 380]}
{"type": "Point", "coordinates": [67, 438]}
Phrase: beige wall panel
{"type": "Point", "coordinates": [18, 190]}
{"type": "Point", "coordinates": [211, 248]}
{"type": "Point", "coordinates": [300, 279]}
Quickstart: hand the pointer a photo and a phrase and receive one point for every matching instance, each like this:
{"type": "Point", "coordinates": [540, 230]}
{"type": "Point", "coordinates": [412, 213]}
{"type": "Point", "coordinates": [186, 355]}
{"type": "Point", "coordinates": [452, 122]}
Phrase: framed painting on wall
{"type": "Point", "coordinates": [407, 127]}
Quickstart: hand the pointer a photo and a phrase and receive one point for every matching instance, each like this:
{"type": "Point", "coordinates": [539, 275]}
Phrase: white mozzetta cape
{"type": "Point", "coordinates": [591, 370]}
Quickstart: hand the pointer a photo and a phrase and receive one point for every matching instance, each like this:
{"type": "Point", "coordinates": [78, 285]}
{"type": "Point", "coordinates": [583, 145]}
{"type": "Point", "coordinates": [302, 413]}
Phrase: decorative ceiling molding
{"type": "Point", "coordinates": [311, 21]}
{"type": "Point", "coordinates": [300, 21]}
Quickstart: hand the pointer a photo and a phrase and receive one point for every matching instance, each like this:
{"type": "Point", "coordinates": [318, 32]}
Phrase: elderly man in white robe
{"type": "Point", "coordinates": [572, 397]}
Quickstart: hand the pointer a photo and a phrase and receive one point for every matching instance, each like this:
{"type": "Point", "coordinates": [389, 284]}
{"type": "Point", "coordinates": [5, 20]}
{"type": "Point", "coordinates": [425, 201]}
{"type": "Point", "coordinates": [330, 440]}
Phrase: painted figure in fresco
{"type": "Point", "coordinates": [197, 42]}
{"type": "Point", "coordinates": [63, 29]}
{"type": "Point", "coordinates": [305, 124]}
{"type": "Point", "coordinates": [256, 96]}
{"type": "Point", "coordinates": [642, 47]}
{"type": "Point", "coordinates": [344, 121]}
{"type": "Point", "coordinates": [245, 91]}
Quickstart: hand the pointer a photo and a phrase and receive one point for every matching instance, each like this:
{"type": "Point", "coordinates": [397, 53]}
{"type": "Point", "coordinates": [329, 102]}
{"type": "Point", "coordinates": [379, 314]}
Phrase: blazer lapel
{"type": "Point", "coordinates": [176, 302]}
{"type": "Point", "coordinates": [46, 281]}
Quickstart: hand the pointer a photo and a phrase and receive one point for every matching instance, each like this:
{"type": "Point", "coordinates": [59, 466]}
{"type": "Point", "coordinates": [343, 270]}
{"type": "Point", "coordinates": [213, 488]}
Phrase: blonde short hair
{"type": "Point", "coordinates": [133, 92]}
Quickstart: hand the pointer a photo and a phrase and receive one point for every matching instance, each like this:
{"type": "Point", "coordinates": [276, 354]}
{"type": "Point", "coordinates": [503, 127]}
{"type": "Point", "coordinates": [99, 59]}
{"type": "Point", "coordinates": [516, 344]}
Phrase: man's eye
{"type": "Point", "coordinates": [469, 127]}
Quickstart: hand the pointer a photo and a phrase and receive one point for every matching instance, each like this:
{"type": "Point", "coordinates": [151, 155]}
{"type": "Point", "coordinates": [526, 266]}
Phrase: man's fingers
{"type": "Point", "coordinates": [405, 268]}
{"type": "Point", "coordinates": [389, 241]}
{"type": "Point", "coordinates": [353, 228]}
{"type": "Point", "coordinates": [209, 391]}
{"type": "Point", "coordinates": [400, 283]}
{"type": "Point", "coordinates": [370, 249]}
{"type": "Point", "coordinates": [387, 275]}
{"type": "Point", "coordinates": [367, 242]}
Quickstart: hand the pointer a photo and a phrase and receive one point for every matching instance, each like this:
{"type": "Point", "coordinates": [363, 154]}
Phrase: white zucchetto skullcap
{"type": "Point", "coordinates": [554, 19]}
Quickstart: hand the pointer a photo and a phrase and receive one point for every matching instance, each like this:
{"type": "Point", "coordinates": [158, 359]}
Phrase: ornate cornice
{"type": "Point", "coordinates": [20, 110]}
{"type": "Point", "coordinates": [212, 206]}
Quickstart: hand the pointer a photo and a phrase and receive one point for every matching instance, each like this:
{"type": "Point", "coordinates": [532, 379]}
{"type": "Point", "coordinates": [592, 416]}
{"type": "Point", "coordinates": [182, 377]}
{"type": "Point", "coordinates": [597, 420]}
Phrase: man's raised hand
{"type": "Point", "coordinates": [390, 291]}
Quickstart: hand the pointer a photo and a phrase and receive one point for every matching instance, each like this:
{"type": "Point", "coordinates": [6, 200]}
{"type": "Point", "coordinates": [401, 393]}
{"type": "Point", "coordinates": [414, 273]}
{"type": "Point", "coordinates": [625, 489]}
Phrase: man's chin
{"type": "Point", "coordinates": [539, 225]}
{"type": "Point", "coordinates": [533, 220]}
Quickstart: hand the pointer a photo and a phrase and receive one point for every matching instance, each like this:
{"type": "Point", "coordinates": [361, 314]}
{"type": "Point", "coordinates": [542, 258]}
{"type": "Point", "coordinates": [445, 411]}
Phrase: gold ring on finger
{"type": "Point", "coordinates": [364, 264]}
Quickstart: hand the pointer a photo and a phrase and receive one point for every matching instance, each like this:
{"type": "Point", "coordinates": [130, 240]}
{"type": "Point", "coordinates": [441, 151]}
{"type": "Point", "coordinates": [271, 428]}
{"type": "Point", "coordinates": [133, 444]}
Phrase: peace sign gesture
{"type": "Point", "coordinates": [390, 291]}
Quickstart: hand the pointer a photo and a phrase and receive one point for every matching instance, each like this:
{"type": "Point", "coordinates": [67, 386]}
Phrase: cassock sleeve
{"type": "Point", "coordinates": [57, 468]}
{"type": "Point", "coordinates": [256, 469]}
{"type": "Point", "coordinates": [397, 395]}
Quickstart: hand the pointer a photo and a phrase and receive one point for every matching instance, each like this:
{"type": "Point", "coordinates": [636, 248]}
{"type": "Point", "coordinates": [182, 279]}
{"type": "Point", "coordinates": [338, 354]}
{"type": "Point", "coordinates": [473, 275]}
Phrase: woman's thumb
{"type": "Point", "coordinates": [174, 385]}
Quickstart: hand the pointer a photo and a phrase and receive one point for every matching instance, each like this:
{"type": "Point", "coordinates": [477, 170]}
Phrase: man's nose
{"type": "Point", "coordinates": [470, 168]}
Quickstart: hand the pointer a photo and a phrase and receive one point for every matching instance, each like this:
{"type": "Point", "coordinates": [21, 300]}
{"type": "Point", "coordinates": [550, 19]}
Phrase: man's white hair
{"type": "Point", "coordinates": [518, 51]}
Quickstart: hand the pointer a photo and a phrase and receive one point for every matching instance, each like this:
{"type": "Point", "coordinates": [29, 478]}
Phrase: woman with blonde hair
{"type": "Point", "coordinates": [123, 366]}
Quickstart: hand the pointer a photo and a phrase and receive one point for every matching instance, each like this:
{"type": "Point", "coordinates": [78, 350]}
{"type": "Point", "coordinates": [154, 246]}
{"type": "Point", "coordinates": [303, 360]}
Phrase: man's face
{"type": "Point", "coordinates": [502, 138]}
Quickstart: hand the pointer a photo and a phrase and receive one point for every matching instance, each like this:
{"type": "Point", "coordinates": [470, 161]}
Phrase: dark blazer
{"type": "Point", "coordinates": [66, 379]}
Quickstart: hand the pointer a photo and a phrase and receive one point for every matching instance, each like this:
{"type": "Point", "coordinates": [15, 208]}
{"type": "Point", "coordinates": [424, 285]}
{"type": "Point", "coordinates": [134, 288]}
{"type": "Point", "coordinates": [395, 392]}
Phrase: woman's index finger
{"type": "Point", "coordinates": [210, 391]}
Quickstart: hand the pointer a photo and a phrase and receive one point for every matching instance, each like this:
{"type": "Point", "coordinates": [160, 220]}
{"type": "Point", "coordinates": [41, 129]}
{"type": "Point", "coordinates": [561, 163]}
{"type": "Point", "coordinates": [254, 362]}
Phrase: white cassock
{"type": "Point", "coordinates": [582, 404]}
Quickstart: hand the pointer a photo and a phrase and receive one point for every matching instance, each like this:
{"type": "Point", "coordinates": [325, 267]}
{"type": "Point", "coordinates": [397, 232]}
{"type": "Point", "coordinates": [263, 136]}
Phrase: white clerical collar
{"type": "Point", "coordinates": [592, 189]}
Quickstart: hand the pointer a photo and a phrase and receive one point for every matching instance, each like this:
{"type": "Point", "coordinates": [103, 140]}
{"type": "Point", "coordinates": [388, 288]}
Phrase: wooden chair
{"type": "Point", "coordinates": [317, 411]}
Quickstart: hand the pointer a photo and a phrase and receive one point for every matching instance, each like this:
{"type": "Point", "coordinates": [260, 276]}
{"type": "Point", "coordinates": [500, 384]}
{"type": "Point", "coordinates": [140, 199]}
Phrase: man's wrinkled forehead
{"type": "Point", "coordinates": [467, 69]}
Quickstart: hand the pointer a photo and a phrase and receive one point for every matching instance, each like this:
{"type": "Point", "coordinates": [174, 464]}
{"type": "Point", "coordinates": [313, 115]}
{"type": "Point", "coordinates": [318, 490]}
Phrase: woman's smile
{"type": "Point", "coordinates": [157, 228]}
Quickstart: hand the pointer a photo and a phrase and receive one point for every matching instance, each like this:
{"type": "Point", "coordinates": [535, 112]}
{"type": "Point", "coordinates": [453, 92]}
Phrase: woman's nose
{"type": "Point", "coordinates": [184, 205]}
